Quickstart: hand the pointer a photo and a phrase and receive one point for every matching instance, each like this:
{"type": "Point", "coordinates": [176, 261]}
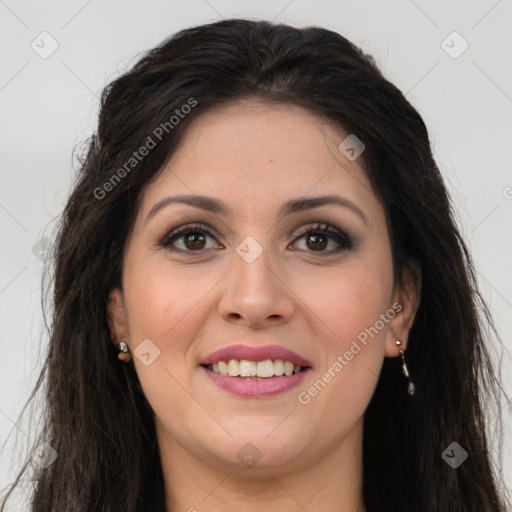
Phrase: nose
{"type": "Point", "coordinates": [256, 295]}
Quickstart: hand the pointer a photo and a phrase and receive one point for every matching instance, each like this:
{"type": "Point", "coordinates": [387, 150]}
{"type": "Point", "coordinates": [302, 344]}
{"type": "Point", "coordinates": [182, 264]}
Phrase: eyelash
{"type": "Point", "coordinates": [340, 237]}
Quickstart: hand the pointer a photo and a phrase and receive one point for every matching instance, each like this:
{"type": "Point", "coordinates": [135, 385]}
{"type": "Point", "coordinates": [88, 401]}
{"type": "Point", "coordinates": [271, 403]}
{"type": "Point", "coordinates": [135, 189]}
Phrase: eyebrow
{"type": "Point", "coordinates": [217, 207]}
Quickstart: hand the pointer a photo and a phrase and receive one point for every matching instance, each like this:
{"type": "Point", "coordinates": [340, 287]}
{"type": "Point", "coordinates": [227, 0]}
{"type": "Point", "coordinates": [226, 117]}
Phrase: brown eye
{"type": "Point", "coordinates": [316, 241]}
{"type": "Point", "coordinates": [191, 239]}
{"type": "Point", "coordinates": [194, 240]}
{"type": "Point", "coordinates": [318, 237]}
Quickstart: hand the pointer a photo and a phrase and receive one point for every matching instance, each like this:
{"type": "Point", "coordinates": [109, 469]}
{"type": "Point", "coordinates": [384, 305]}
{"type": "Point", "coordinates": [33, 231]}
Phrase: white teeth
{"type": "Point", "coordinates": [265, 368]}
{"type": "Point", "coordinates": [279, 367]}
{"type": "Point", "coordinates": [233, 368]}
{"type": "Point", "coordinates": [262, 369]}
{"type": "Point", "coordinates": [223, 368]}
{"type": "Point", "coordinates": [247, 368]}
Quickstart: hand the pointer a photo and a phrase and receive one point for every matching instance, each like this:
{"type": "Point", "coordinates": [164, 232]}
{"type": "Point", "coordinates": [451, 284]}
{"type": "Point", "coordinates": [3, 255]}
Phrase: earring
{"type": "Point", "coordinates": [410, 387]}
{"type": "Point", "coordinates": [124, 352]}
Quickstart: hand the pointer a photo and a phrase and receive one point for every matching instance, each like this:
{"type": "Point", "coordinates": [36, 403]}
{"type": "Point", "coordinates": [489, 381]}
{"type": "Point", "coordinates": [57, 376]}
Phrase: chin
{"type": "Point", "coordinates": [265, 447]}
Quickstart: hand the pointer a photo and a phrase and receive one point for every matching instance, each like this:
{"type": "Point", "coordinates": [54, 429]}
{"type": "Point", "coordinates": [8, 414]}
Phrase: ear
{"type": "Point", "coordinates": [406, 300]}
{"type": "Point", "coordinates": [117, 317]}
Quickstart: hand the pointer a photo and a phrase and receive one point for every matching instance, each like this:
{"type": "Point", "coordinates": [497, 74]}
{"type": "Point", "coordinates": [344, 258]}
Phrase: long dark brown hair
{"type": "Point", "coordinates": [96, 416]}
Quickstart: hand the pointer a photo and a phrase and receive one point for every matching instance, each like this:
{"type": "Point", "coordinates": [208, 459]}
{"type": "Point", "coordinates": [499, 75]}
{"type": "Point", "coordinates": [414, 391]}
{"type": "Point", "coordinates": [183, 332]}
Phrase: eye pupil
{"type": "Point", "coordinates": [195, 238]}
{"type": "Point", "coordinates": [320, 240]}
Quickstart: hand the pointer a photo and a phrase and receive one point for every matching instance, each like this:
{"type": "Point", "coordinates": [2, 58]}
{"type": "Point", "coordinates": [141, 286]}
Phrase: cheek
{"type": "Point", "coordinates": [350, 329]}
{"type": "Point", "coordinates": [162, 301]}
{"type": "Point", "coordinates": [347, 301]}
{"type": "Point", "coordinates": [164, 307]}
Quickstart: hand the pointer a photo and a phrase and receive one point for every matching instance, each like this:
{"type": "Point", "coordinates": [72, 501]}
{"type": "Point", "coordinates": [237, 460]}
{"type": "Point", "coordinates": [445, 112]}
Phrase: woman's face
{"type": "Point", "coordinates": [254, 266]}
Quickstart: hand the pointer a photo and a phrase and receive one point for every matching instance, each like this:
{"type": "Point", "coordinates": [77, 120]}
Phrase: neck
{"type": "Point", "coordinates": [332, 482]}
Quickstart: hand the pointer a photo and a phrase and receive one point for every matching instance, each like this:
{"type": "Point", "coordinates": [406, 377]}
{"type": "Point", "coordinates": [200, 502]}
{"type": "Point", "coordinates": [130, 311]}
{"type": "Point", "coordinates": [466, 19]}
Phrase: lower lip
{"type": "Point", "coordinates": [256, 388]}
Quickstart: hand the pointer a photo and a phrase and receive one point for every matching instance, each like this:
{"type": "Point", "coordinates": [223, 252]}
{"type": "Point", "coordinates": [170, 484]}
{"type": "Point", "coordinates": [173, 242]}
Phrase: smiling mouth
{"type": "Point", "coordinates": [252, 370]}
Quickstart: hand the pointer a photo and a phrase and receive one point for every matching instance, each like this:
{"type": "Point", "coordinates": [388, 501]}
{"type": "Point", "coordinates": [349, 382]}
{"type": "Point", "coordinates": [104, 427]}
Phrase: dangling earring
{"type": "Point", "coordinates": [124, 352]}
{"type": "Point", "coordinates": [410, 387]}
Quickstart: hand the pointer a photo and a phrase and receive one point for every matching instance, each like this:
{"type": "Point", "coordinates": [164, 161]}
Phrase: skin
{"type": "Point", "coordinates": [255, 156]}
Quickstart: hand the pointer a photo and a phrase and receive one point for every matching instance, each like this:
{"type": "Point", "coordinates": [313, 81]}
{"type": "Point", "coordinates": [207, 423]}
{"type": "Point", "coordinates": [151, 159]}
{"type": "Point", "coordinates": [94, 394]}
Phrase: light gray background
{"type": "Point", "coordinates": [48, 106]}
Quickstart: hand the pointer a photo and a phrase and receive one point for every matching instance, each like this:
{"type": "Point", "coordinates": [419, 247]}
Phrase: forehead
{"type": "Point", "coordinates": [256, 155]}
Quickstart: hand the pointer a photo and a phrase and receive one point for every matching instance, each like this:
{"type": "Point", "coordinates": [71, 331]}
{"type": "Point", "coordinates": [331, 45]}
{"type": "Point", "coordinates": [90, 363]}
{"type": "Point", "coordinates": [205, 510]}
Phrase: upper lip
{"type": "Point", "coordinates": [260, 353]}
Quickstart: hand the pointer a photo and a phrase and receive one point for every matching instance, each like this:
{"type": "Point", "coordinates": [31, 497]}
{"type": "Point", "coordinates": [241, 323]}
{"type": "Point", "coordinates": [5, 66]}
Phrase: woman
{"type": "Point", "coordinates": [261, 297]}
